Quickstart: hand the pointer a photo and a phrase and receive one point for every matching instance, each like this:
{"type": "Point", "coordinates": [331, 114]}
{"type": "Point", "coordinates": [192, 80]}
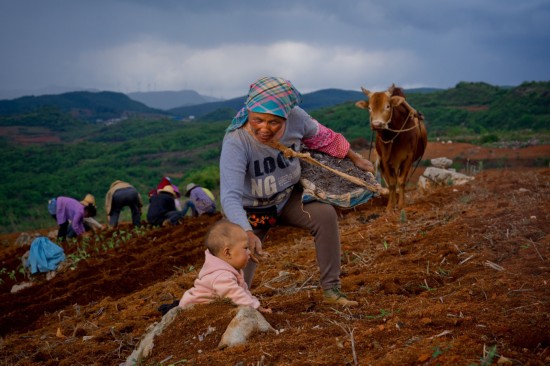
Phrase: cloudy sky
{"type": "Point", "coordinates": [218, 47]}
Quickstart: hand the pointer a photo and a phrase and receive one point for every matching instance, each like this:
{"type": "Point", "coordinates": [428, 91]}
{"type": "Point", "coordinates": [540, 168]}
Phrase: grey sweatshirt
{"type": "Point", "coordinates": [255, 175]}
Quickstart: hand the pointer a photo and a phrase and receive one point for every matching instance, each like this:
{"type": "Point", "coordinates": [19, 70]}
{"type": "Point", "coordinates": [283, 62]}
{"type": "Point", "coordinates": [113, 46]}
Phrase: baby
{"type": "Point", "coordinates": [221, 275]}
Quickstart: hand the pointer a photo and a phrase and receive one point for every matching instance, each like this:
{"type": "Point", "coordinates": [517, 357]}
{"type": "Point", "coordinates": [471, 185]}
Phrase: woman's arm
{"type": "Point", "coordinates": [233, 165]}
{"type": "Point", "coordinates": [77, 222]}
{"type": "Point", "coordinates": [335, 144]}
{"type": "Point", "coordinates": [328, 141]}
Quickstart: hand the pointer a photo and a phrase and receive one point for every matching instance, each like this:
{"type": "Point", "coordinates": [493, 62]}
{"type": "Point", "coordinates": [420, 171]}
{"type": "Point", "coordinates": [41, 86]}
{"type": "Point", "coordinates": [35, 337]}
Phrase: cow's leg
{"type": "Point", "coordinates": [393, 198]}
{"type": "Point", "coordinates": [386, 171]}
{"type": "Point", "coordinates": [392, 185]}
{"type": "Point", "coordinates": [402, 180]}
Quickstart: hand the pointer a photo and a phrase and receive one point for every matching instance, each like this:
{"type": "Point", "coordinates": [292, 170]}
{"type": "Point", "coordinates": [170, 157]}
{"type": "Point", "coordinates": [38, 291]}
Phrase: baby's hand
{"type": "Point", "coordinates": [265, 310]}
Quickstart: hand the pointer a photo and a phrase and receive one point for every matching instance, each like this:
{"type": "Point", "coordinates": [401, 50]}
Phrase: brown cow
{"type": "Point", "coordinates": [401, 137]}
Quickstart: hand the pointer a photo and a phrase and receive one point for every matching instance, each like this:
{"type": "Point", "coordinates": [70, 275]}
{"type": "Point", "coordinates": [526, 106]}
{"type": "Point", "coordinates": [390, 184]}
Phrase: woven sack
{"type": "Point", "coordinates": [323, 185]}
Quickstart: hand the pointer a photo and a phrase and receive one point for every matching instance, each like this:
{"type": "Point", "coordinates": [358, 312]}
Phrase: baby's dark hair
{"type": "Point", "coordinates": [219, 235]}
{"type": "Point", "coordinates": [90, 210]}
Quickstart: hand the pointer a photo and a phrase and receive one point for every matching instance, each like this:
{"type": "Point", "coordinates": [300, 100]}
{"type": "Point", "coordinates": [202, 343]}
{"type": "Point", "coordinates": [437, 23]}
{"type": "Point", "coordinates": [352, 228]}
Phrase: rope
{"type": "Point", "coordinates": [404, 130]}
{"type": "Point", "coordinates": [288, 153]}
{"type": "Point", "coordinates": [401, 130]}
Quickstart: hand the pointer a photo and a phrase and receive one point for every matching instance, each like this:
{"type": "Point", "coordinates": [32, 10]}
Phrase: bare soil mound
{"type": "Point", "coordinates": [460, 277]}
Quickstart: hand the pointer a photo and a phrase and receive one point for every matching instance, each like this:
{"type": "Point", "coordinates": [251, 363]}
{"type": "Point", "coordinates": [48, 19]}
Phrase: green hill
{"type": "Point", "coordinates": [85, 106]}
{"type": "Point", "coordinates": [142, 148]}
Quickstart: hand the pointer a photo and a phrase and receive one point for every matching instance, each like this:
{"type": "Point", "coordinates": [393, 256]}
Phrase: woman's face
{"type": "Point", "coordinates": [265, 127]}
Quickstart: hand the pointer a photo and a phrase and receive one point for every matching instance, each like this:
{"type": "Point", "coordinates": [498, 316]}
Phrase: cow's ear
{"type": "Point", "coordinates": [363, 104]}
{"type": "Point", "coordinates": [395, 101]}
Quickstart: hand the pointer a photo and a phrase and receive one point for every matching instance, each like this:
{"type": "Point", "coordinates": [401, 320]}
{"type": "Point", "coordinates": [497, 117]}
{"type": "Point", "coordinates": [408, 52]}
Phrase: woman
{"type": "Point", "coordinates": [70, 214]}
{"type": "Point", "coordinates": [122, 194]}
{"type": "Point", "coordinates": [201, 201]}
{"type": "Point", "coordinates": [162, 208]}
{"type": "Point", "coordinates": [259, 185]}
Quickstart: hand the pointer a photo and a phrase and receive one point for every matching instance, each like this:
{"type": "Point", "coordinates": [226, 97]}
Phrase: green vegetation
{"type": "Point", "coordinates": [383, 314]}
{"type": "Point", "coordinates": [49, 116]}
{"type": "Point", "coordinates": [143, 148]}
{"type": "Point", "coordinates": [30, 175]}
{"type": "Point", "coordinates": [87, 106]}
{"type": "Point", "coordinates": [82, 249]}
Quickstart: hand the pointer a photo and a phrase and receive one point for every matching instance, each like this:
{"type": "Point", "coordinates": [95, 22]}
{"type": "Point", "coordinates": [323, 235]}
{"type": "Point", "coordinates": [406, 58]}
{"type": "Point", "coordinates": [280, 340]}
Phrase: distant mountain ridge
{"type": "Point", "coordinates": [48, 90]}
{"type": "Point", "coordinates": [171, 99]}
{"type": "Point", "coordinates": [310, 101]}
{"type": "Point", "coordinates": [91, 106]}
{"type": "Point", "coordinates": [82, 105]}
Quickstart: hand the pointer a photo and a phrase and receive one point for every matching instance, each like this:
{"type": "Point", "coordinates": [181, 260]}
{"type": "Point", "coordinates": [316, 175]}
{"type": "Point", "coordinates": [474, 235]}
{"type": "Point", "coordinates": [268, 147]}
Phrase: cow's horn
{"type": "Point", "coordinates": [389, 92]}
{"type": "Point", "coordinates": [366, 92]}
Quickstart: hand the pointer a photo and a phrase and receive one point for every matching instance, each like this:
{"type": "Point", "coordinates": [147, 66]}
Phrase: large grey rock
{"type": "Point", "coordinates": [244, 324]}
{"type": "Point", "coordinates": [20, 286]}
{"type": "Point", "coordinates": [442, 163]}
{"type": "Point", "coordinates": [437, 177]}
{"type": "Point", "coordinates": [247, 322]}
{"type": "Point", "coordinates": [146, 345]}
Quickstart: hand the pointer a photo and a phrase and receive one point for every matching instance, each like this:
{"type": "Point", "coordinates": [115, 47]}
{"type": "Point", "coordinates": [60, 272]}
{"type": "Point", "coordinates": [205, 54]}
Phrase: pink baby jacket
{"type": "Point", "coordinates": [218, 279]}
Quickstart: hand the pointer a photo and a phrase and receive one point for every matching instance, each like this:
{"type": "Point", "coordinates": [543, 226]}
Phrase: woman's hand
{"type": "Point", "coordinates": [360, 162]}
{"type": "Point", "coordinates": [255, 247]}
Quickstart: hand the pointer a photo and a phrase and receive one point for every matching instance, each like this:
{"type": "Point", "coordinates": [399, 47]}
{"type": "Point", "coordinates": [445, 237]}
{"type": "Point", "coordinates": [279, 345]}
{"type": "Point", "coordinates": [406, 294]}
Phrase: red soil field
{"type": "Point", "coordinates": [460, 277]}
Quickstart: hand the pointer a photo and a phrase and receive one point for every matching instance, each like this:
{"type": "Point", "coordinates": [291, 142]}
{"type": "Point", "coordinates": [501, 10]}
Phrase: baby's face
{"type": "Point", "coordinates": [239, 252]}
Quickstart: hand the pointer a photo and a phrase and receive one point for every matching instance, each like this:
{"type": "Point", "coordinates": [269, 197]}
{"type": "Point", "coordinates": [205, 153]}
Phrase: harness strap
{"type": "Point", "coordinates": [412, 113]}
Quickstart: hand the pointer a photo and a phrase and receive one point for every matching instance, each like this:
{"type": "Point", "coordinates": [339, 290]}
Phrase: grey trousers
{"type": "Point", "coordinates": [128, 196]}
{"type": "Point", "coordinates": [322, 222]}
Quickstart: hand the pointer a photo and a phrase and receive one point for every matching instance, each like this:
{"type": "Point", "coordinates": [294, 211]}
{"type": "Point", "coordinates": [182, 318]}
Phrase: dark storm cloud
{"type": "Point", "coordinates": [219, 47]}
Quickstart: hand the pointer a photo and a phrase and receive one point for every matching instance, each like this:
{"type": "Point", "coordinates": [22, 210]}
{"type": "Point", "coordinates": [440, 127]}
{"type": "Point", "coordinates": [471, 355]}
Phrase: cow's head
{"type": "Point", "coordinates": [380, 106]}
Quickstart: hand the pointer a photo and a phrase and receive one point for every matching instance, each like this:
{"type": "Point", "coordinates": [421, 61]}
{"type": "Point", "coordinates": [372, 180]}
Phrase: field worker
{"type": "Point", "coordinates": [163, 183]}
{"type": "Point", "coordinates": [201, 201]}
{"type": "Point", "coordinates": [162, 208]}
{"type": "Point", "coordinates": [259, 186]}
{"type": "Point", "coordinates": [70, 213]}
{"type": "Point", "coordinates": [122, 194]}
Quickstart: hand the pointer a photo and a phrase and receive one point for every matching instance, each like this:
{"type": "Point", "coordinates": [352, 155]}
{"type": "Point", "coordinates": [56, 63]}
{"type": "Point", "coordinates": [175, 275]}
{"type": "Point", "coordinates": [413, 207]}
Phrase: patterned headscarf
{"type": "Point", "coordinates": [271, 95]}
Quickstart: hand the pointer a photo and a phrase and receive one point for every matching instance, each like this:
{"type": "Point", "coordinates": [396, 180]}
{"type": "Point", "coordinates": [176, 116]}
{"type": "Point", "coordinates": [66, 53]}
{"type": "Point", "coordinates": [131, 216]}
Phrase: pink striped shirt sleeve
{"type": "Point", "coordinates": [328, 141]}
